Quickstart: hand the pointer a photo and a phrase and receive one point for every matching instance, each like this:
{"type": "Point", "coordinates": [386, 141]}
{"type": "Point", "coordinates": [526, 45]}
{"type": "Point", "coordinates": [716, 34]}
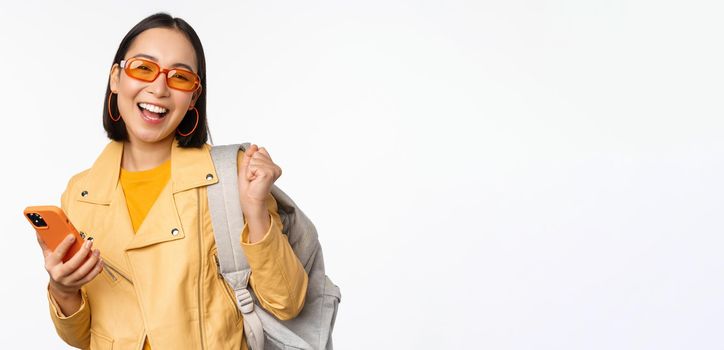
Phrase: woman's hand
{"type": "Point", "coordinates": [66, 278]}
{"type": "Point", "coordinates": [257, 173]}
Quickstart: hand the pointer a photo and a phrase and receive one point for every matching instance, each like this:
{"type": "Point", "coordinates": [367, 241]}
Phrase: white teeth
{"type": "Point", "coordinates": [152, 108]}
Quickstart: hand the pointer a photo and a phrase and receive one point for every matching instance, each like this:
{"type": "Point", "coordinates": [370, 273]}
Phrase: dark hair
{"type": "Point", "coordinates": [117, 130]}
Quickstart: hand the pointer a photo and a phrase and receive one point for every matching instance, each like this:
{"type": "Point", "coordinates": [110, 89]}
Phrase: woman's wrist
{"type": "Point", "coordinates": [68, 302]}
{"type": "Point", "coordinates": [258, 225]}
{"type": "Point", "coordinates": [253, 207]}
{"type": "Point", "coordinates": [61, 293]}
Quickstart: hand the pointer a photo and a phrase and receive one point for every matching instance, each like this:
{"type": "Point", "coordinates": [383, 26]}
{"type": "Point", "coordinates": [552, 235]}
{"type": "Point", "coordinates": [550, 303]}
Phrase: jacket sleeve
{"type": "Point", "coordinates": [277, 276]}
{"type": "Point", "coordinates": [73, 329]}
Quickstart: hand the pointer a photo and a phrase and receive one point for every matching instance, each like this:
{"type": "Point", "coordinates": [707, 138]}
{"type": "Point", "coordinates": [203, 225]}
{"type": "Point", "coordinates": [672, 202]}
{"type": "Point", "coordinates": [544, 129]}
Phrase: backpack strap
{"type": "Point", "coordinates": [227, 219]}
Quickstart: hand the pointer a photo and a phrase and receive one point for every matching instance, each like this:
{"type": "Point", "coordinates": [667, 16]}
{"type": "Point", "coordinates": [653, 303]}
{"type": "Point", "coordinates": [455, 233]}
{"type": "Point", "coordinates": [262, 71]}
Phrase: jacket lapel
{"type": "Point", "coordinates": [190, 168]}
{"type": "Point", "coordinates": [106, 218]}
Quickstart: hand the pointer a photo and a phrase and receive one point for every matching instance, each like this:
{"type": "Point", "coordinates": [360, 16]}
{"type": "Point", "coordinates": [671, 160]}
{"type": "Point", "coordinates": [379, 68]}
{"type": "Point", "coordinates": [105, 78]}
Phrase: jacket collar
{"type": "Point", "coordinates": [190, 167]}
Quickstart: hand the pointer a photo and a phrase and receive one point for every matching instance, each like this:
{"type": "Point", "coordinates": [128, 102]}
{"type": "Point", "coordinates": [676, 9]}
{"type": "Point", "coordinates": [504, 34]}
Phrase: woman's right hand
{"type": "Point", "coordinates": [67, 278]}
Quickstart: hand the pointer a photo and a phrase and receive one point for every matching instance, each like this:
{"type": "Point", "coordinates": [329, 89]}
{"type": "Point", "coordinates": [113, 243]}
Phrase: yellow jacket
{"type": "Point", "coordinates": [163, 282]}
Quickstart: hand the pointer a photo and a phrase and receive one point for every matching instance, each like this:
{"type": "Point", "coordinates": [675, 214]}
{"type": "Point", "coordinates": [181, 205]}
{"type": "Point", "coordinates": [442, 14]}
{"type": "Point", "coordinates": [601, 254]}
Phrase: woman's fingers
{"type": "Point", "coordinates": [93, 273]}
{"type": "Point", "coordinates": [249, 156]}
{"type": "Point", "coordinates": [244, 170]}
{"type": "Point", "coordinates": [258, 167]}
{"type": "Point", "coordinates": [87, 266]}
{"type": "Point", "coordinates": [43, 246]}
{"type": "Point", "coordinates": [62, 249]}
{"type": "Point", "coordinates": [257, 174]}
{"type": "Point", "coordinates": [78, 258]}
{"type": "Point", "coordinates": [257, 162]}
{"type": "Point", "coordinates": [75, 272]}
{"type": "Point", "coordinates": [263, 167]}
{"type": "Point", "coordinates": [263, 153]}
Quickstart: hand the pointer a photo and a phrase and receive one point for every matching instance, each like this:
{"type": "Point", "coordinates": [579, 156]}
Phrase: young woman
{"type": "Point", "coordinates": [148, 277]}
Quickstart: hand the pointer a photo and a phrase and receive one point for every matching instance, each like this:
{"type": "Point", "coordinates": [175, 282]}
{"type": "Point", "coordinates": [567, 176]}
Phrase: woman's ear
{"type": "Point", "coordinates": [115, 76]}
{"type": "Point", "coordinates": [195, 96]}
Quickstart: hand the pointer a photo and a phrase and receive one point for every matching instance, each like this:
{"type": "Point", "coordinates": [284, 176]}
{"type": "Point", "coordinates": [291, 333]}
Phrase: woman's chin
{"type": "Point", "coordinates": [149, 136]}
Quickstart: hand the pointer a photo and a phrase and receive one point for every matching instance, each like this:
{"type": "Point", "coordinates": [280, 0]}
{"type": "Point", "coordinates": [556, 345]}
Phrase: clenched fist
{"type": "Point", "coordinates": [257, 173]}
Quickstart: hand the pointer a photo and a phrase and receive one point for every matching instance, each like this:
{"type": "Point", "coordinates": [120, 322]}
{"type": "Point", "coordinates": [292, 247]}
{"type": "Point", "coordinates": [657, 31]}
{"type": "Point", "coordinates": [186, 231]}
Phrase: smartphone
{"type": "Point", "coordinates": [51, 223]}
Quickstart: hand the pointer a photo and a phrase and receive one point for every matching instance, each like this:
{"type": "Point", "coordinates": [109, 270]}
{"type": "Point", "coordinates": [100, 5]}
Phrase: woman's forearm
{"type": "Point", "coordinates": [259, 221]}
{"type": "Point", "coordinates": [69, 302]}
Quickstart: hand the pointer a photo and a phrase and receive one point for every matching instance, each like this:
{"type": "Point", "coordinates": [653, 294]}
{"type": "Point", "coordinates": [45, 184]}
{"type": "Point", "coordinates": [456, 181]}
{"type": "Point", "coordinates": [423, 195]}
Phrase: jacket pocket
{"type": "Point", "coordinates": [112, 274]}
{"type": "Point", "coordinates": [100, 342]}
{"type": "Point", "coordinates": [111, 277]}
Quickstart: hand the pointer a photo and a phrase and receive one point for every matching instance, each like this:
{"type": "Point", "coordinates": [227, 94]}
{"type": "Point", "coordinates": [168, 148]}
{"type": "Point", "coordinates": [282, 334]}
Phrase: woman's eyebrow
{"type": "Point", "coordinates": [184, 65]}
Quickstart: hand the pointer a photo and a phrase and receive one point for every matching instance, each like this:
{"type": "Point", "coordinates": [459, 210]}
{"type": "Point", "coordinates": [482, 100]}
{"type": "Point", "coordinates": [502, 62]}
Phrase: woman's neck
{"type": "Point", "coordinates": [138, 156]}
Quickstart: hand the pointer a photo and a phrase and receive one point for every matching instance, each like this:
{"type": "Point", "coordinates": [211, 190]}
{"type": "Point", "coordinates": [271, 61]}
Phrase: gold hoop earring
{"type": "Point", "coordinates": [195, 125]}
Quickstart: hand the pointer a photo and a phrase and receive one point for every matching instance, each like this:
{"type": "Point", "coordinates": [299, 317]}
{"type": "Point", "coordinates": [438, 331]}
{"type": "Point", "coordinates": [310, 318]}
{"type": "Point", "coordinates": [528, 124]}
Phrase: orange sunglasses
{"type": "Point", "coordinates": [148, 71]}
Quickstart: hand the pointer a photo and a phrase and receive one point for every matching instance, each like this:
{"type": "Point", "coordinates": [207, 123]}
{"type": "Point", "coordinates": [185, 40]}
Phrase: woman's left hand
{"type": "Point", "coordinates": [257, 173]}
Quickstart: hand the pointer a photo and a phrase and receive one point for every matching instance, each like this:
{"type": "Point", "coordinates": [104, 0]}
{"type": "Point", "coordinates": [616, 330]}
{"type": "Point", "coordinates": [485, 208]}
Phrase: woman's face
{"type": "Point", "coordinates": [169, 48]}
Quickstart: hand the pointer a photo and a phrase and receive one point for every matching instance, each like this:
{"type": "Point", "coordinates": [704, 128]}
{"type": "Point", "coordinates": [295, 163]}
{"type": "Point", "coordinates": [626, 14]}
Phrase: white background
{"type": "Point", "coordinates": [483, 174]}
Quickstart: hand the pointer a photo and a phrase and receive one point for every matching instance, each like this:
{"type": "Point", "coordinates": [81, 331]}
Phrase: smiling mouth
{"type": "Point", "coordinates": [151, 115]}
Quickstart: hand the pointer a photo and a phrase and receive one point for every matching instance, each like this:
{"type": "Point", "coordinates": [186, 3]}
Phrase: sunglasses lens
{"type": "Point", "coordinates": [143, 70]}
{"type": "Point", "coordinates": [181, 79]}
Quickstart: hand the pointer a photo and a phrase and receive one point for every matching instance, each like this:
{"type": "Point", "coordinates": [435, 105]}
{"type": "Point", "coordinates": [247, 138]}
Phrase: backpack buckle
{"type": "Point", "coordinates": [246, 303]}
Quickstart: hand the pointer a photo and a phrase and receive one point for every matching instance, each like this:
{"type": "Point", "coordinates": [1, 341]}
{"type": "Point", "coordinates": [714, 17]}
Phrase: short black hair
{"type": "Point", "coordinates": [117, 130]}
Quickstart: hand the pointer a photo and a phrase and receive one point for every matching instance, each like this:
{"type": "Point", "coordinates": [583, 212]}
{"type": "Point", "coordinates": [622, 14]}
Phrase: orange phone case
{"type": "Point", "coordinates": [57, 227]}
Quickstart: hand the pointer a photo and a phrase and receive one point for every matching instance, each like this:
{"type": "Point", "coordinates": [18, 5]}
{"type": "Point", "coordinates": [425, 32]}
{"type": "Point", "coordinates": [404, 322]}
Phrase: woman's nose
{"type": "Point", "coordinates": [158, 87]}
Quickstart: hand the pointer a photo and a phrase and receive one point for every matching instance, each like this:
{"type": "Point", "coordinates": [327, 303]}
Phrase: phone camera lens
{"type": "Point", "coordinates": [37, 220]}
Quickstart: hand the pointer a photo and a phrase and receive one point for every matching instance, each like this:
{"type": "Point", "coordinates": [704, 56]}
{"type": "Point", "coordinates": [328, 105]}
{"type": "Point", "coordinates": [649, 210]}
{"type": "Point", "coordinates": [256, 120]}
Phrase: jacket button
{"type": "Point", "coordinates": [209, 177]}
{"type": "Point", "coordinates": [84, 194]}
{"type": "Point", "coordinates": [174, 232]}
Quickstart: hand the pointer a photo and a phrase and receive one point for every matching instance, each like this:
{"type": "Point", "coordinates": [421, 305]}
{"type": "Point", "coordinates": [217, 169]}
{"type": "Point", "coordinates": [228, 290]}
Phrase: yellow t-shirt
{"type": "Point", "coordinates": [141, 189]}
